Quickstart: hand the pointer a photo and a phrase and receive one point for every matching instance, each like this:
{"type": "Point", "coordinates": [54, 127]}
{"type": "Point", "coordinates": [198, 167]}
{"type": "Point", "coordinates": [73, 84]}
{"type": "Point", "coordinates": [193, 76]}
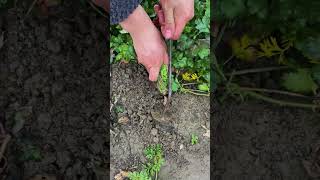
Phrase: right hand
{"type": "Point", "coordinates": [148, 42]}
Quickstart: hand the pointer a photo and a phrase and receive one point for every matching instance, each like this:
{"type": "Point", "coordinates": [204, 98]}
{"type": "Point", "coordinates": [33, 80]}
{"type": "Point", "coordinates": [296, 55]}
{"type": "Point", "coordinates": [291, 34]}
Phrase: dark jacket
{"type": "Point", "coordinates": [121, 9]}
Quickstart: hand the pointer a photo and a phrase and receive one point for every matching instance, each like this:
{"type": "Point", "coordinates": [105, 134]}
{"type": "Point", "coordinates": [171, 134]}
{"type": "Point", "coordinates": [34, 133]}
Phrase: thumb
{"type": "Point", "coordinates": [169, 26]}
{"type": "Point", "coordinates": [153, 73]}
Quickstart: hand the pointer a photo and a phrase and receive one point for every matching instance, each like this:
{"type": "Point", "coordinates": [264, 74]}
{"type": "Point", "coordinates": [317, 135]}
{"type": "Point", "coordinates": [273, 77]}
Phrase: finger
{"type": "Point", "coordinates": [169, 23]}
{"type": "Point", "coordinates": [156, 8]}
{"type": "Point", "coordinates": [154, 73]}
{"type": "Point", "coordinates": [161, 17]}
{"type": "Point", "coordinates": [160, 14]}
{"type": "Point", "coordinates": [180, 24]}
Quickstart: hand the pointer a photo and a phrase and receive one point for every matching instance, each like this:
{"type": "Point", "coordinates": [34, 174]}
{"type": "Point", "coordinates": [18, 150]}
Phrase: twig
{"type": "Point", "coordinates": [4, 145]}
{"type": "Point", "coordinates": [229, 59]}
{"type": "Point", "coordinates": [258, 70]}
{"type": "Point", "coordinates": [96, 9]}
{"type": "Point", "coordinates": [218, 39]}
{"type": "Point", "coordinates": [188, 84]}
{"type": "Point", "coordinates": [217, 68]}
{"type": "Point", "coordinates": [281, 102]}
{"type": "Point", "coordinates": [30, 9]}
{"type": "Point", "coordinates": [192, 92]}
{"type": "Point", "coordinates": [274, 91]}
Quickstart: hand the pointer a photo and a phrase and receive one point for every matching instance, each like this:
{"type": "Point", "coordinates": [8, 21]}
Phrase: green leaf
{"type": "Point", "coordinates": [175, 85]}
{"type": "Point", "coordinates": [203, 87]}
{"type": "Point", "coordinates": [232, 8]}
{"type": "Point", "coordinates": [316, 73]}
{"type": "Point", "coordinates": [300, 81]}
{"type": "Point", "coordinates": [310, 47]}
{"type": "Point", "coordinates": [203, 53]}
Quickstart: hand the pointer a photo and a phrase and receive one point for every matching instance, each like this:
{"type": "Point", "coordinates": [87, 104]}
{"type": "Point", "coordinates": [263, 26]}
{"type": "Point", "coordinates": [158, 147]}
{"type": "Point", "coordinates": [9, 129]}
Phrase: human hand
{"type": "Point", "coordinates": [147, 40]}
{"type": "Point", "coordinates": [173, 16]}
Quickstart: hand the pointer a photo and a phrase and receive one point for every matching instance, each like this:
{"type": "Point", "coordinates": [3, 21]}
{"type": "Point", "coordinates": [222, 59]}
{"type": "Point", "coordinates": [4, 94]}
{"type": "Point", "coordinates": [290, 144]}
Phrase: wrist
{"type": "Point", "coordinates": [137, 22]}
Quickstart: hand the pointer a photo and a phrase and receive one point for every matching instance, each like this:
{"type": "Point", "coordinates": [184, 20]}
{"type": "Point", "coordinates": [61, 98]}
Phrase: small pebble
{"type": "Point", "coordinates": [154, 131]}
{"type": "Point", "coordinates": [155, 139]}
{"type": "Point", "coordinates": [181, 146]}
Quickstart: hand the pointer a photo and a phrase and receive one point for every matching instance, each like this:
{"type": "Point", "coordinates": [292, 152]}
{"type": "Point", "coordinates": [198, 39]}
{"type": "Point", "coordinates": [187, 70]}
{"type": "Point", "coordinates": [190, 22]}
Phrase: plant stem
{"type": "Point", "coordinates": [257, 70]}
{"type": "Point", "coordinates": [218, 39]}
{"type": "Point", "coordinates": [192, 92]}
{"type": "Point", "coordinates": [281, 102]}
{"type": "Point", "coordinates": [229, 59]}
{"type": "Point", "coordinates": [273, 91]}
{"type": "Point", "coordinates": [30, 9]}
{"type": "Point", "coordinates": [96, 9]}
{"type": "Point", "coordinates": [217, 67]}
{"type": "Point", "coordinates": [188, 84]}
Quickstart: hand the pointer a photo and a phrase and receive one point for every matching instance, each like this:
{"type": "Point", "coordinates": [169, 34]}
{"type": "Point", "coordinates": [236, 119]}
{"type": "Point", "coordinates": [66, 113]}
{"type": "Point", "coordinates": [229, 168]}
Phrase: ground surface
{"type": "Point", "coordinates": [54, 92]}
{"type": "Point", "coordinates": [144, 126]}
{"type": "Point", "coordinates": [258, 141]}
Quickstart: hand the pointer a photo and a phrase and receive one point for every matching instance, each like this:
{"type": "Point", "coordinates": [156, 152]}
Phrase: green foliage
{"type": "Point", "coordinates": [300, 81]}
{"type": "Point", "coordinates": [191, 52]}
{"type": "Point", "coordinates": [142, 175]}
{"type": "Point", "coordinates": [295, 19]}
{"type": "Point", "coordinates": [119, 109]}
{"type": "Point", "coordinates": [194, 139]}
{"type": "Point", "coordinates": [3, 2]}
{"type": "Point", "coordinates": [31, 153]}
{"type": "Point", "coordinates": [155, 160]}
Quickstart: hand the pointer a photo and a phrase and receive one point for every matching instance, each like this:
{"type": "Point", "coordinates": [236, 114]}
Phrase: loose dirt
{"type": "Point", "coordinates": [254, 140]}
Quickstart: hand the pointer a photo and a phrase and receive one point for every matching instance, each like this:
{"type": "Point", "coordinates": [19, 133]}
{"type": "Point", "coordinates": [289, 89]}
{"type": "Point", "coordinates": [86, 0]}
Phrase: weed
{"type": "Point", "coordinates": [194, 139]}
{"type": "Point", "coordinates": [155, 160]}
{"type": "Point", "coordinates": [119, 109]}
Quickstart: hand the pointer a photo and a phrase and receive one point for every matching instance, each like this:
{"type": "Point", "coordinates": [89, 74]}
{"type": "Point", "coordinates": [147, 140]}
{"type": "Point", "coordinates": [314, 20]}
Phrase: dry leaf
{"type": "Point", "coordinates": [123, 120]}
{"type": "Point", "coordinates": [121, 175]}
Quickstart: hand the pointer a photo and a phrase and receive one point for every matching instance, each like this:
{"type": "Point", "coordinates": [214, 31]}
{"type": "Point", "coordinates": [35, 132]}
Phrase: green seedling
{"type": "Point", "coordinates": [155, 160]}
{"type": "Point", "coordinates": [194, 139]}
{"type": "Point", "coordinates": [119, 109]}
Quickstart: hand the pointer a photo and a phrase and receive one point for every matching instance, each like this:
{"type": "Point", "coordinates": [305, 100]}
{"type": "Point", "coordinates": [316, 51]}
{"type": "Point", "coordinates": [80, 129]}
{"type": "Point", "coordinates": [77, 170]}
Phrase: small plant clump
{"type": "Point", "coordinates": [155, 160]}
{"type": "Point", "coordinates": [194, 139]}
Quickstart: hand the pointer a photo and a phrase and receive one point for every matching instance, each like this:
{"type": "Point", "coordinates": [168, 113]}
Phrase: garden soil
{"type": "Point", "coordinates": [54, 92]}
{"type": "Point", "coordinates": [54, 102]}
{"type": "Point", "coordinates": [259, 141]}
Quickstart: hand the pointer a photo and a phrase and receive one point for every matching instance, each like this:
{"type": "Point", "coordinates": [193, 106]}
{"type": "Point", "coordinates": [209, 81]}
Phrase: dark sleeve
{"type": "Point", "coordinates": [121, 9]}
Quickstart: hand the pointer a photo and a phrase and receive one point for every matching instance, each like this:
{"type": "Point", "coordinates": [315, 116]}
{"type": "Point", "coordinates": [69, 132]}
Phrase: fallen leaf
{"type": "Point", "coordinates": [123, 120]}
{"type": "Point", "coordinates": [121, 175]}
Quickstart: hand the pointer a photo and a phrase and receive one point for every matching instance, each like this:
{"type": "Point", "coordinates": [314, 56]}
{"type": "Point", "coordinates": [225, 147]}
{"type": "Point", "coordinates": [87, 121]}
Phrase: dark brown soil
{"type": "Point", "coordinates": [54, 92]}
{"type": "Point", "coordinates": [259, 141]}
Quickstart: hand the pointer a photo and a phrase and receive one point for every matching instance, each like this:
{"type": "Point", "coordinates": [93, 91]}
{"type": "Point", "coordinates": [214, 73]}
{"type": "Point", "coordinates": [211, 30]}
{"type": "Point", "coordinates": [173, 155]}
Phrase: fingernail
{"type": "Point", "coordinates": [167, 34]}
